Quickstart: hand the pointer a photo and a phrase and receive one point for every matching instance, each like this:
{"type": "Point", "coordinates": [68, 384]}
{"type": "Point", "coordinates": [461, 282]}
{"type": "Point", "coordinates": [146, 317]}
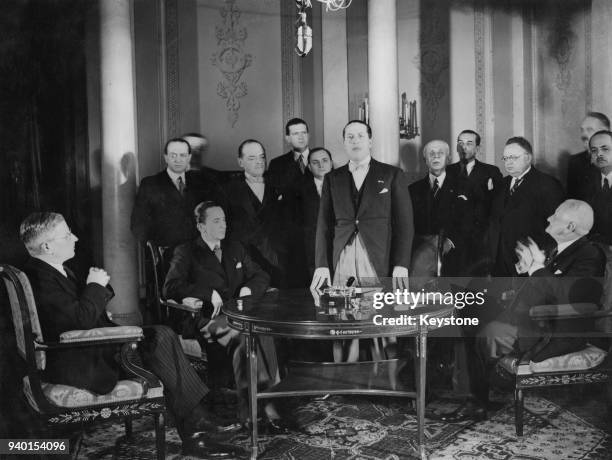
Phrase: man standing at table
{"type": "Point", "coordinates": [365, 218]}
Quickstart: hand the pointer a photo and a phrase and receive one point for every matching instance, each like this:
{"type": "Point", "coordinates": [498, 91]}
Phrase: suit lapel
{"type": "Point", "coordinates": [246, 196]}
{"type": "Point", "coordinates": [167, 183]}
{"type": "Point", "coordinates": [345, 186]}
{"type": "Point", "coordinates": [368, 187]}
{"type": "Point", "coordinates": [209, 258]}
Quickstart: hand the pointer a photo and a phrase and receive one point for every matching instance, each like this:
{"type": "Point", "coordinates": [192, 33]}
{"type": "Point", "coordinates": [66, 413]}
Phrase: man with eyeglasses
{"type": "Point", "coordinates": [163, 209]}
{"type": "Point", "coordinates": [520, 206]}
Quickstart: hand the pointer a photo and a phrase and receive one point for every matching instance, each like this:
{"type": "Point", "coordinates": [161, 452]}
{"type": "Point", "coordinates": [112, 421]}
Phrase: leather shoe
{"type": "Point", "coordinates": [213, 425]}
{"type": "Point", "coordinates": [275, 426]}
{"type": "Point", "coordinates": [468, 411]}
{"type": "Point", "coordinates": [198, 445]}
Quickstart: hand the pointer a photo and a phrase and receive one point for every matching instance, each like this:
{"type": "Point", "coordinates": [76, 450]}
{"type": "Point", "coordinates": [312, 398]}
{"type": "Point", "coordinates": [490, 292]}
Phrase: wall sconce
{"type": "Point", "coordinates": [409, 128]}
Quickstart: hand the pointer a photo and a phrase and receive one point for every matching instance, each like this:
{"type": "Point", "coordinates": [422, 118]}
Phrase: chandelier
{"type": "Point", "coordinates": [303, 31]}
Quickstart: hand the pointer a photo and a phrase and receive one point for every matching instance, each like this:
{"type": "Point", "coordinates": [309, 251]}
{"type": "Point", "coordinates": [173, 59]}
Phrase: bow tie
{"type": "Point", "coordinates": [356, 167]}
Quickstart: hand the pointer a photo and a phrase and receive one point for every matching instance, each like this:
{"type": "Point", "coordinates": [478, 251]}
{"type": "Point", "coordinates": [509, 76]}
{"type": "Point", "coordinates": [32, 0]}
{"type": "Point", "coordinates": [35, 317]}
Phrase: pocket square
{"type": "Point", "coordinates": [381, 181]}
{"type": "Point", "coordinates": [463, 197]}
{"type": "Point", "coordinates": [239, 265]}
{"type": "Point", "coordinates": [384, 190]}
{"type": "Point", "coordinates": [490, 184]}
{"type": "Point", "coordinates": [280, 197]}
{"type": "Point", "coordinates": [558, 272]}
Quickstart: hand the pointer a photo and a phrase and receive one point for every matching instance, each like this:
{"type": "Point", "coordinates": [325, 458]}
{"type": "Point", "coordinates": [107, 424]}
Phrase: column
{"type": "Point", "coordinates": [382, 78]}
{"type": "Point", "coordinates": [118, 157]}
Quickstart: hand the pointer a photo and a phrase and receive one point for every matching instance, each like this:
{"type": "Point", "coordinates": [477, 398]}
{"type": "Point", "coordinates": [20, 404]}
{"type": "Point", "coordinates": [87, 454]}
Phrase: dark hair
{"type": "Point", "coordinates": [522, 142]}
{"type": "Point", "coordinates": [177, 139]}
{"type": "Point", "coordinates": [469, 131]}
{"type": "Point", "coordinates": [200, 210]}
{"type": "Point", "coordinates": [601, 117]}
{"type": "Point", "coordinates": [249, 141]}
{"type": "Point", "coordinates": [318, 149]}
{"type": "Point", "coordinates": [293, 122]}
{"type": "Point", "coordinates": [603, 131]}
{"type": "Point", "coordinates": [360, 122]}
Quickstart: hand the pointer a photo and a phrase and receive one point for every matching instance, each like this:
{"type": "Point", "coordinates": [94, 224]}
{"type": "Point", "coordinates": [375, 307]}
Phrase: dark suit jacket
{"type": "Point", "coordinates": [284, 172]}
{"type": "Point", "coordinates": [195, 271]}
{"type": "Point", "coordinates": [452, 212]}
{"type": "Point", "coordinates": [574, 275]}
{"type": "Point", "coordinates": [579, 172]}
{"type": "Point", "coordinates": [601, 202]}
{"type": "Point", "coordinates": [309, 205]}
{"type": "Point", "coordinates": [479, 178]}
{"type": "Point", "coordinates": [64, 304]}
{"type": "Point", "coordinates": [383, 217]}
{"type": "Point", "coordinates": [259, 226]}
{"type": "Point", "coordinates": [162, 215]}
{"type": "Point", "coordinates": [521, 215]}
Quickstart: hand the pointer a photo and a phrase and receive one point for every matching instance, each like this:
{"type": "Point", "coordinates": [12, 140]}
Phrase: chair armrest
{"type": "Point", "coordinates": [564, 311]}
{"type": "Point", "coordinates": [180, 306]}
{"type": "Point", "coordinates": [97, 336]}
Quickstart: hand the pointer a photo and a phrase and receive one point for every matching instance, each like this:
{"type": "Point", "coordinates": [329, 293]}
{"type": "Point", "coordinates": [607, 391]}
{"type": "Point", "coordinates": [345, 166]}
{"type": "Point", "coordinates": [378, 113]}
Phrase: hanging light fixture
{"type": "Point", "coordinates": [303, 31]}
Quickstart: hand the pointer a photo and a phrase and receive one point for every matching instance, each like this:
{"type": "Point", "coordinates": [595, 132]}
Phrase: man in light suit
{"type": "Point", "coordinates": [215, 271]}
{"type": "Point", "coordinates": [520, 206]}
{"type": "Point", "coordinates": [365, 227]}
{"type": "Point", "coordinates": [65, 303]}
{"type": "Point", "coordinates": [257, 213]}
{"type": "Point", "coordinates": [163, 209]}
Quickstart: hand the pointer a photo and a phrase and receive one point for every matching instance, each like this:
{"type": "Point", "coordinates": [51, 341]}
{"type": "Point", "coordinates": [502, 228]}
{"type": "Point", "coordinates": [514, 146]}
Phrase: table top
{"type": "Point", "coordinates": [303, 314]}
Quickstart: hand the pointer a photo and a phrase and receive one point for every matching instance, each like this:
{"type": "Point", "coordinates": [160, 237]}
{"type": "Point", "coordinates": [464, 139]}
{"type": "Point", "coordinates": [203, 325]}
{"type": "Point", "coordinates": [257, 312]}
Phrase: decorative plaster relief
{"type": "Point", "coordinates": [433, 60]}
{"type": "Point", "coordinates": [230, 59]}
{"type": "Point", "coordinates": [561, 41]}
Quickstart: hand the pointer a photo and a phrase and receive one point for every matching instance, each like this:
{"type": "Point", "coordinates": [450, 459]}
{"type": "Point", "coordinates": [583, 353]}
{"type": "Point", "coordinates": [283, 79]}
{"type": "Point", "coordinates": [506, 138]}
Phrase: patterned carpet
{"type": "Point", "coordinates": [385, 428]}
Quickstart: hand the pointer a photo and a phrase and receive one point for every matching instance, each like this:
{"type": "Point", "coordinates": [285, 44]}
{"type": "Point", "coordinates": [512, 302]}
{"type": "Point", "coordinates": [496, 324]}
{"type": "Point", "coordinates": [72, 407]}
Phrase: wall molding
{"type": "Point", "coordinates": [173, 108]}
{"type": "Point", "coordinates": [291, 66]}
{"type": "Point", "coordinates": [483, 77]}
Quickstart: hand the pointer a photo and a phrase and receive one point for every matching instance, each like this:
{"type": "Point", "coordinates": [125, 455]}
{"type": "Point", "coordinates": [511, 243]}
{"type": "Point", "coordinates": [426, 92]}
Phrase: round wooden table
{"type": "Point", "coordinates": [302, 314]}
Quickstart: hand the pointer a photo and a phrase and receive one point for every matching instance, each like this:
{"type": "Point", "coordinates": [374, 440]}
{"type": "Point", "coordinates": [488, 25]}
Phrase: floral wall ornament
{"type": "Point", "coordinates": [230, 59]}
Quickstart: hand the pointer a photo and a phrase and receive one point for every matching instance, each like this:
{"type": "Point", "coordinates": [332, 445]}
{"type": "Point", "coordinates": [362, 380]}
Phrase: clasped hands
{"type": "Point", "coordinates": [530, 256]}
{"type": "Point", "coordinates": [98, 276]}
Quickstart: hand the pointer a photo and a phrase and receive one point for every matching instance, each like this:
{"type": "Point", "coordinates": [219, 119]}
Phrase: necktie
{"type": "Point", "coordinates": [517, 183]}
{"type": "Point", "coordinates": [180, 185]}
{"type": "Point", "coordinates": [463, 169]}
{"type": "Point", "coordinates": [606, 185]}
{"type": "Point", "coordinates": [300, 164]}
{"type": "Point", "coordinates": [435, 187]}
{"type": "Point", "coordinates": [218, 252]}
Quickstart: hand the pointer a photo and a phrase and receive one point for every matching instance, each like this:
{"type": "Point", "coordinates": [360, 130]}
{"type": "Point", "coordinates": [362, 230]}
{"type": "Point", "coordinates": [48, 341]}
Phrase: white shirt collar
{"type": "Point", "coordinates": [469, 166]}
{"type": "Point", "coordinates": [608, 176]}
{"type": "Point", "coordinates": [563, 246]}
{"type": "Point", "coordinates": [303, 154]}
{"type": "Point", "coordinates": [318, 184]}
{"type": "Point", "coordinates": [365, 161]}
{"type": "Point", "coordinates": [211, 244]}
{"type": "Point", "coordinates": [514, 179]}
{"type": "Point", "coordinates": [59, 267]}
{"type": "Point", "coordinates": [254, 179]}
{"type": "Point", "coordinates": [174, 176]}
{"type": "Point", "coordinates": [440, 178]}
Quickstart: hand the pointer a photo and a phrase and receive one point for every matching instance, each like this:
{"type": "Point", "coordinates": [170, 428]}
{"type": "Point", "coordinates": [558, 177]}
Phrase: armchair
{"type": "Point", "coordinates": [61, 405]}
{"type": "Point", "coordinates": [191, 347]}
{"type": "Point", "coordinates": [590, 365]}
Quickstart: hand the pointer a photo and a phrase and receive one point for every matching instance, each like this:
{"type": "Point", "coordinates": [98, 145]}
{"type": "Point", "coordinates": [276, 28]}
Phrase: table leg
{"type": "Point", "coordinates": [421, 349]}
{"type": "Point", "coordinates": [251, 350]}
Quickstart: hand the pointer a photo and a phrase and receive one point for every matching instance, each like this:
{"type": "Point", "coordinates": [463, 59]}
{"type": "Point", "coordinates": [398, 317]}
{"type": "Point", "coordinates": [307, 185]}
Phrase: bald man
{"type": "Point", "coordinates": [444, 209]}
{"type": "Point", "coordinates": [571, 273]}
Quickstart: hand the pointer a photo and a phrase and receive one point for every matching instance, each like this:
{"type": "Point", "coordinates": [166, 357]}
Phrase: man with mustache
{"type": "Point", "coordinates": [582, 165]}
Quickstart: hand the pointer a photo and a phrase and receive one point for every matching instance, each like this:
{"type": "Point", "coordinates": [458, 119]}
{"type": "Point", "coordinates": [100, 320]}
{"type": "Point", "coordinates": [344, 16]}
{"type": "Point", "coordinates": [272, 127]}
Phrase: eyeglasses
{"type": "Point", "coordinates": [511, 157]}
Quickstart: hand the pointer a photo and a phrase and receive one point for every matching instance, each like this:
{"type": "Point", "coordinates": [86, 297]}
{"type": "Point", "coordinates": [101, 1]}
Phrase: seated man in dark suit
{"type": "Point", "coordinates": [65, 303]}
{"type": "Point", "coordinates": [163, 209]}
{"type": "Point", "coordinates": [571, 273]}
{"type": "Point", "coordinates": [213, 271]}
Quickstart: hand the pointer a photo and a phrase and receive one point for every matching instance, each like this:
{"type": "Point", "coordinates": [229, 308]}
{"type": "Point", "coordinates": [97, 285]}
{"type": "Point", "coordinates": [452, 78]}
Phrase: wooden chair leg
{"type": "Point", "coordinates": [518, 411]}
{"type": "Point", "coordinates": [128, 428]}
{"type": "Point", "coordinates": [160, 435]}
